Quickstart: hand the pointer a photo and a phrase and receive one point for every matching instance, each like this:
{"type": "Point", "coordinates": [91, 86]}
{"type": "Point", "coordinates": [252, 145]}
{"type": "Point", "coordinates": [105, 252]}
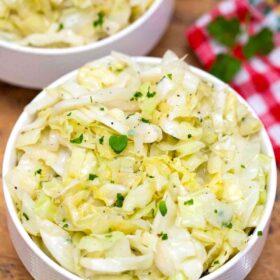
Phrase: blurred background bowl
{"type": "Point", "coordinates": [38, 67]}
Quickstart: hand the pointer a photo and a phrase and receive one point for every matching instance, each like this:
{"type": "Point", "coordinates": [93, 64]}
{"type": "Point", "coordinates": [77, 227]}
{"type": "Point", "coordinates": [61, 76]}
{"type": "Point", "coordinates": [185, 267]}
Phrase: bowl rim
{"type": "Point", "coordinates": [24, 118]}
{"type": "Point", "coordinates": [92, 45]}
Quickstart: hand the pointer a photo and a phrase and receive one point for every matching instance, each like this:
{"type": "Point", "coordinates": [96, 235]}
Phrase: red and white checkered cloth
{"type": "Point", "coordinates": [258, 81]}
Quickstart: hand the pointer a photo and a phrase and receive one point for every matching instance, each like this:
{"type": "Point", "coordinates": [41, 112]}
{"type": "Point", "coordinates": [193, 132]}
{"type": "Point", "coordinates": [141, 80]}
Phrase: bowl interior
{"type": "Point", "coordinates": [25, 118]}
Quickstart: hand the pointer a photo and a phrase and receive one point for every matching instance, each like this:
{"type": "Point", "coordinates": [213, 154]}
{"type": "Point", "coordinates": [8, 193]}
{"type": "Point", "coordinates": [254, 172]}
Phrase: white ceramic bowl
{"type": "Point", "coordinates": [41, 267]}
{"type": "Point", "coordinates": [38, 67]}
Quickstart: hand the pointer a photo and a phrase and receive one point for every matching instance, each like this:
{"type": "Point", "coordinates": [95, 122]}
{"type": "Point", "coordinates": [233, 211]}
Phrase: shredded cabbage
{"type": "Point", "coordinates": [66, 23]}
{"type": "Point", "coordinates": [149, 174]}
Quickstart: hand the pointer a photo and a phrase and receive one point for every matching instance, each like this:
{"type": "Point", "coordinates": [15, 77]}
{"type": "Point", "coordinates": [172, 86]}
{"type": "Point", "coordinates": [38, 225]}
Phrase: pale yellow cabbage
{"type": "Point", "coordinates": [143, 172]}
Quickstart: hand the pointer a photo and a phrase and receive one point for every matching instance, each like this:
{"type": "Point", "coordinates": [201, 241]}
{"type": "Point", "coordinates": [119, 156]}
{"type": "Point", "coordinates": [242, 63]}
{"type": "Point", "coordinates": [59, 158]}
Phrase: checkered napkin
{"type": "Point", "coordinates": [258, 80]}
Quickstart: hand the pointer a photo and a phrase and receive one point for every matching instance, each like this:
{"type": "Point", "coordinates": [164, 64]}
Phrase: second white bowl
{"type": "Point", "coordinates": [37, 68]}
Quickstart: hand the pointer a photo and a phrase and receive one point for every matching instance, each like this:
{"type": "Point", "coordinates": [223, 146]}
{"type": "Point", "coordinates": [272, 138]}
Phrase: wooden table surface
{"type": "Point", "coordinates": [13, 100]}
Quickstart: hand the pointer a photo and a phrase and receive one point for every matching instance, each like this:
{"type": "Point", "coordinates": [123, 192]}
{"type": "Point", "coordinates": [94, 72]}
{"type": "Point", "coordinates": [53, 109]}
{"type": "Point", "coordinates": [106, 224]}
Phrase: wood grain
{"type": "Point", "coordinates": [13, 100]}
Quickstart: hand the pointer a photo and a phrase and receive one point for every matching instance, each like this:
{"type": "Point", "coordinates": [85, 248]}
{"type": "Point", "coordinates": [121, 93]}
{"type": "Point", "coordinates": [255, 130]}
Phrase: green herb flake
{"type": "Point", "coordinates": [243, 166]}
{"type": "Point", "coordinates": [243, 119]}
{"type": "Point", "coordinates": [150, 94]}
{"type": "Point", "coordinates": [60, 27]}
{"type": "Point", "coordinates": [227, 224]}
{"type": "Point", "coordinates": [38, 172]}
{"type": "Point", "coordinates": [25, 216]}
{"type": "Point", "coordinates": [108, 235]}
{"type": "Point", "coordinates": [136, 95]}
{"type": "Point", "coordinates": [216, 211]}
{"type": "Point", "coordinates": [101, 109]}
{"type": "Point", "coordinates": [225, 67]}
{"type": "Point", "coordinates": [259, 44]}
{"type": "Point", "coordinates": [91, 177]}
{"type": "Point", "coordinates": [150, 176]}
{"type": "Point", "coordinates": [119, 201]}
{"type": "Point", "coordinates": [216, 262]}
{"type": "Point", "coordinates": [101, 140]}
{"type": "Point", "coordinates": [77, 140]}
{"type": "Point", "coordinates": [162, 208]}
{"type": "Point", "coordinates": [145, 120]}
{"type": "Point", "coordinates": [118, 143]}
{"type": "Point", "coordinates": [189, 202]}
{"type": "Point", "coordinates": [163, 236]}
{"type": "Point", "coordinates": [100, 20]}
{"type": "Point", "coordinates": [65, 226]}
{"type": "Point", "coordinates": [260, 233]}
{"type": "Point", "coordinates": [189, 136]}
{"type": "Point", "coordinates": [90, 99]}
{"type": "Point", "coordinates": [225, 31]}
{"type": "Point", "coordinates": [169, 76]}
{"type": "Point", "coordinates": [69, 114]}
